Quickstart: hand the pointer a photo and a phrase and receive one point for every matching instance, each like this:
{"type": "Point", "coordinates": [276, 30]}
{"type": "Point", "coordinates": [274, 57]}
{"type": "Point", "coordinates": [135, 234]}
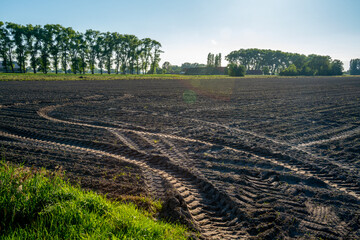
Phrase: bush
{"type": "Point", "coordinates": [235, 70]}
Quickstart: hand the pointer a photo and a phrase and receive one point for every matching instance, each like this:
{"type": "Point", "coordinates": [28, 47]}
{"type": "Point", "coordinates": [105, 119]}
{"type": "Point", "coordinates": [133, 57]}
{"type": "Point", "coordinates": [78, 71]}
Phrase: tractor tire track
{"type": "Point", "coordinates": [210, 213]}
{"type": "Point", "coordinates": [296, 167]}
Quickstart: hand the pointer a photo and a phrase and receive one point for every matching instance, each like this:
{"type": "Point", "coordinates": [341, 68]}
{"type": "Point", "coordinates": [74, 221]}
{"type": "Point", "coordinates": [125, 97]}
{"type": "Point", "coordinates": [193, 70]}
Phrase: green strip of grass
{"type": "Point", "coordinates": [77, 77]}
{"type": "Point", "coordinates": [74, 77]}
{"type": "Point", "coordinates": [37, 204]}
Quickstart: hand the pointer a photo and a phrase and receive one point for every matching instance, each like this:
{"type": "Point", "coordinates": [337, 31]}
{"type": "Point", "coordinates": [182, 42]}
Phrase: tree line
{"type": "Point", "coordinates": [53, 47]}
{"type": "Point", "coordinates": [284, 63]}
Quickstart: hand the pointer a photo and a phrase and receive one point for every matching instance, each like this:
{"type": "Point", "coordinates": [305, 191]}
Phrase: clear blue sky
{"type": "Point", "coordinates": [190, 29]}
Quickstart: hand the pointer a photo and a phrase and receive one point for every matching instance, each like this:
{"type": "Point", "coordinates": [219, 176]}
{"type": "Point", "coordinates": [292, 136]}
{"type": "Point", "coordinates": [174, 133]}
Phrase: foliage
{"type": "Point", "coordinates": [37, 204]}
{"type": "Point", "coordinates": [213, 60]}
{"type": "Point", "coordinates": [204, 71]}
{"type": "Point", "coordinates": [266, 70]}
{"type": "Point", "coordinates": [355, 66]}
{"type": "Point", "coordinates": [337, 67]}
{"type": "Point", "coordinates": [51, 45]}
{"type": "Point", "coordinates": [191, 65]}
{"type": "Point", "coordinates": [235, 70]}
{"type": "Point", "coordinates": [289, 71]}
{"type": "Point", "coordinates": [279, 62]}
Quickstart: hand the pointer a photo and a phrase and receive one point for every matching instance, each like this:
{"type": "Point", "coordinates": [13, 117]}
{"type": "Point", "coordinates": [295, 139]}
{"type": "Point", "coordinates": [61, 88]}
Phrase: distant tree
{"type": "Point", "coordinates": [132, 44]}
{"type": "Point", "coordinates": [91, 38]}
{"type": "Point", "coordinates": [166, 67]}
{"type": "Point", "coordinates": [32, 38]}
{"type": "Point", "coordinates": [8, 48]}
{"type": "Point", "coordinates": [337, 67]}
{"type": "Point", "coordinates": [276, 61]}
{"type": "Point", "coordinates": [289, 71]}
{"type": "Point", "coordinates": [146, 54]}
{"type": "Point", "coordinates": [54, 49]}
{"type": "Point", "coordinates": [266, 70]}
{"type": "Point", "coordinates": [52, 45]}
{"type": "Point", "coordinates": [236, 70]}
{"type": "Point", "coordinates": [155, 57]}
{"type": "Point", "coordinates": [100, 52]}
{"type": "Point", "coordinates": [74, 51]}
{"type": "Point", "coordinates": [175, 69]}
{"type": "Point", "coordinates": [67, 46]}
{"type": "Point", "coordinates": [355, 66]}
{"type": "Point", "coordinates": [45, 37]}
{"type": "Point", "coordinates": [210, 60]}
{"type": "Point", "coordinates": [108, 48]}
{"type": "Point", "coordinates": [217, 62]}
{"type": "Point", "coordinates": [320, 65]}
{"type": "Point", "coordinates": [18, 35]}
{"type": "Point", "coordinates": [4, 46]}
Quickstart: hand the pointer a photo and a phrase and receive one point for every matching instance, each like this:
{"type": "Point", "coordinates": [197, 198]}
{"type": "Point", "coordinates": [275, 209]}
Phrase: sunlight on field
{"type": "Point", "coordinates": [211, 88]}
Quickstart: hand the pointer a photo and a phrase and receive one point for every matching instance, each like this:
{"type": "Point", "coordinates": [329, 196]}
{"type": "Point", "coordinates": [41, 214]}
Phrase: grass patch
{"type": "Point", "coordinates": [77, 77]}
{"type": "Point", "coordinates": [38, 204]}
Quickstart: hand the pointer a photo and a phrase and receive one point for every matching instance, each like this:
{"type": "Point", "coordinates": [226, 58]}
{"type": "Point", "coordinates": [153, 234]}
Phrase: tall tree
{"type": "Point", "coordinates": [74, 53]}
{"type": "Point", "coordinates": [32, 38]}
{"type": "Point", "coordinates": [4, 40]}
{"type": "Point", "coordinates": [54, 49]}
{"type": "Point", "coordinates": [155, 57]}
{"type": "Point", "coordinates": [91, 38]}
{"type": "Point", "coordinates": [146, 54]}
{"type": "Point", "coordinates": [107, 50]}
{"type": "Point", "coordinates": [18, 35]}
{"type": "Point", "coordinates": [83, 52]}
{"type": "Point", "coordinates": [210, 60]}
{"type": "Point", "coordinates": [118, 42]}
{"type": "Point", "coordinates": [46, 36]}
{"type": "Point", "coordinates": [355, 66]}
{"type": "Point", "coordinates": [66, 36]}
{"type": "Point", "coordinates": [337, 67]}
{"type": "Point", "coordinates": [100, 52]}
{"type": "Point", "coordinates": [320, 65]}
{"type": "Point", "coordinates": [133, 44]}
{"type": "Point", "coordinates": [9, 46]}
{"type": "Point", "coordinates": [54, 45]}
{"type": "Point", "coordinates": [217, 62]}
{"type": "Point", "coordinates": [166, 67]}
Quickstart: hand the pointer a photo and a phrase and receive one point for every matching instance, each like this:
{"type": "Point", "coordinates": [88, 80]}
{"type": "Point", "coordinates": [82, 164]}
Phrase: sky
{"type": "Point", "coordinates": [189, 29]}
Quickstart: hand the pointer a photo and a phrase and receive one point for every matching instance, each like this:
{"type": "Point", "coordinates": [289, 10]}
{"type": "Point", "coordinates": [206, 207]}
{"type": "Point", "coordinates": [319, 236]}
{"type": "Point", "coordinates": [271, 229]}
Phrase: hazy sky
{"type": "Point", "coordinates": [189, 29]}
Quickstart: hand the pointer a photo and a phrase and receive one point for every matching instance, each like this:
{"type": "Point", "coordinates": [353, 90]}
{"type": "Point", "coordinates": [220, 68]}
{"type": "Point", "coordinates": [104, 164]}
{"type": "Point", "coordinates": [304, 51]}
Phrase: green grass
{"type": "Point", "coordinates": [37, 204]}
{"type": "Point", "coordinates": [74, 77]}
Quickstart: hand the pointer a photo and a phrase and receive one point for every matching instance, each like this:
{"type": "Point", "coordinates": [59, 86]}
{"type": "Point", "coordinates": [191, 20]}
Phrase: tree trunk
{"type": "Point", "coordinates": [11, 63]}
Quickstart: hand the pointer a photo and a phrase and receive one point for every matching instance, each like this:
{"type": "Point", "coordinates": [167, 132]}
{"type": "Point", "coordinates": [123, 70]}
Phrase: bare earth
{"type": "Point", "coordinates": [234, 159]}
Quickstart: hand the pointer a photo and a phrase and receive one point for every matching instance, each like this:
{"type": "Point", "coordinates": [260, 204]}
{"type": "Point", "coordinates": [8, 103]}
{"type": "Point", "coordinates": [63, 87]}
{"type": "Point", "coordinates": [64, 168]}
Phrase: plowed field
{"type": "Point", "coordinates": [233, 158]}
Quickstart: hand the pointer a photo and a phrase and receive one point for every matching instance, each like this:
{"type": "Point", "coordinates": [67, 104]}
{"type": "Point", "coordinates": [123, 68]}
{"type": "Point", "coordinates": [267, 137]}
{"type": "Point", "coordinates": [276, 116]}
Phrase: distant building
{"type": "Point", "coordinates": [254, 72]}
{"type": "Point", "coordinates": [3, 69]}
{"type": "Point", "coordinates": [205, 71]}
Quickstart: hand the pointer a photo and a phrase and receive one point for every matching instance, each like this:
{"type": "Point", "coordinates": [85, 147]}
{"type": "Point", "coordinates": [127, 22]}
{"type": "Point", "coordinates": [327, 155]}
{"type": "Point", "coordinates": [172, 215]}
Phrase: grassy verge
{"type": "Point", "coordinates": [74, 77]}
{"type": "Point", "coordinates": [37, 204]}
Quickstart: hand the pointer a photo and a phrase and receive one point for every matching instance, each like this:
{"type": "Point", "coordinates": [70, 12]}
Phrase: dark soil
{"type": "Point", "coordinates": [232, 158]}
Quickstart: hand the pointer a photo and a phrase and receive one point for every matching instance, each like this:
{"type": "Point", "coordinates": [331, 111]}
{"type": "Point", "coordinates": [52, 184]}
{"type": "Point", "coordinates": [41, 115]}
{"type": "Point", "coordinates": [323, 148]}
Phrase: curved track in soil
{"type": "Point", "coordinates": [236, 181]}
{"type": "Point", "coordinates": [216, 217]}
